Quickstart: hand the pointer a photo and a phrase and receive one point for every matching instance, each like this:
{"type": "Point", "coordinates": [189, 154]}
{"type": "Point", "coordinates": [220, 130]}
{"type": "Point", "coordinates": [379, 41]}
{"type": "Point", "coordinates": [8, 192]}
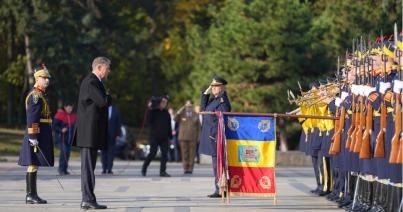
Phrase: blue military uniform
{"type": "Point", "coordinates": [38, 132]}
{"type": "Point", "coordinates": [38, 127]}
{"type": "Point", "coordinates": [208, 142]}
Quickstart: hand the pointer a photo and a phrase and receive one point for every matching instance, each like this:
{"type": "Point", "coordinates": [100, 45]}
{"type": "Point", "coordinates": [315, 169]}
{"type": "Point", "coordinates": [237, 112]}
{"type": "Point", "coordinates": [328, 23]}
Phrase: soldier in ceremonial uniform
{"type": "Point", "coordinates": [208, 139]}
{"type": "Point", "coordinates": [37, 147]}
{"type": "Point", "coordinates": [314, 143]}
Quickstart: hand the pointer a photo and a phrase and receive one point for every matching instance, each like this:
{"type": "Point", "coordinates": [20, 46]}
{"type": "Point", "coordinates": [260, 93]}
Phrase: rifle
{"type": "Point", "coordinates": [380, 139]}
{"type": "Point", "coordinates": [339, 123]}
{"type": "Point", "coordinates": [396, 142]}
{"type": "Point", "coordinates": [360, 125]}
{"type": "Point", "coordinates": [396, 149]}
{"type": "Point", "coordinates": [366, 146]}
{"type": "Point", "coordinates": [354, 125]}
{"type": "Point", "coordinates": [361, 116]}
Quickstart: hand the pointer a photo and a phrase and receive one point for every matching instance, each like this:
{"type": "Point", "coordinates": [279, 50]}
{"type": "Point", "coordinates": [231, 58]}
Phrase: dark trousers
{"type": "Point", "coordinates": [88, 162]}
{"type": "Point", "coordinates": [65, 149]}
{"type": "Point", "coordinates": [108, 156]}
{"type": "Point", "coordinates": [154, 144]}
{"type": "Point", "coordinates": [316, 170]}
{"type": "Point", "coordinates": [214, 161]}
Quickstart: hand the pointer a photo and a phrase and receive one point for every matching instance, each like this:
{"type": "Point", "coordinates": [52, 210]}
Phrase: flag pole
{"type": "Point", "coordinates": [280, 115]}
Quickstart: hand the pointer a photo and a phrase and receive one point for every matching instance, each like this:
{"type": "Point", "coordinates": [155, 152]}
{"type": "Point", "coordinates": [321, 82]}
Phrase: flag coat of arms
{"type": "Point", "coordinates": [250, 144]}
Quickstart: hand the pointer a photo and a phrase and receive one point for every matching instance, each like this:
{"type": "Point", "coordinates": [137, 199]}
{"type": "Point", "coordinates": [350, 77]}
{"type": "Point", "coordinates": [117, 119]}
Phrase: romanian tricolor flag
{"type": "Point", "coordinates": [250, 142]}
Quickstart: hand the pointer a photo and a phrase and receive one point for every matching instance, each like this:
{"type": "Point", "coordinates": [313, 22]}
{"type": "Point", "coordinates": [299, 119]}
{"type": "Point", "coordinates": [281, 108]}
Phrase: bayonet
{"type": "Point", "coordinates": [362, 66]}
{"type": "Point", "coordinates": [300, 88]}
{"type": "Point", "coordinates": [384, 58]}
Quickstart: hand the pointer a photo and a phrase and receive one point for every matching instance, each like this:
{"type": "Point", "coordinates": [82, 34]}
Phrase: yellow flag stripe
{"type": "Point", "coordinates": [247, 153]}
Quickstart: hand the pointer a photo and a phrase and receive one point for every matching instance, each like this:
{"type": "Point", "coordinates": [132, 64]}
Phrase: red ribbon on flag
{"type": "Point", "coordinates": [222, 165]}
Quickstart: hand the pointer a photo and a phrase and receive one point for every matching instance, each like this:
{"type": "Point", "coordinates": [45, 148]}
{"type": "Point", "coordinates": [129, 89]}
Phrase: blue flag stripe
{"type": "Point", "coordinates": [249, 128]}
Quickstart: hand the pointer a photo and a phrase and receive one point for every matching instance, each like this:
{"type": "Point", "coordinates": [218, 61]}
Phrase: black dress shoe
{"type": "Point", "coordinates": [343, 204]}
{"type": "Point", "coordinates": [214, 195]}
{"type": "Point", "coordinates": [92, 205]}
{"type": "Point", "coordinates": [315, 191]}
{"type": "Point", "coordinates": [110, 172]}
{"type": "Point", "coordinates": [34, 199]}
{"type": "Point", "coordinates": [330, 196]}
{"type": "Point", "coordinates": [323, 193]}
{"type": "Point", "coordinates": [103, 172]}
{"type": "Point", "coordinates": [164, 174]}
{"type": "Point", "coordinates": [188, 172]}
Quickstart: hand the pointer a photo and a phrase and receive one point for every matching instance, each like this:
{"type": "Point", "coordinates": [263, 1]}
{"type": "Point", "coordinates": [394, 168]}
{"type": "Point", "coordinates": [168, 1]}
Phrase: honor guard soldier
{"type": "Point", "coordinates": [37, 147]}
{"type": "Point", "coordinates": [208, 138]}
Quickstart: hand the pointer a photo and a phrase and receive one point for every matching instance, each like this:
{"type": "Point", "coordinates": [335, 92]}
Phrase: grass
{"type": "Point", "coordinates": [10, 144]}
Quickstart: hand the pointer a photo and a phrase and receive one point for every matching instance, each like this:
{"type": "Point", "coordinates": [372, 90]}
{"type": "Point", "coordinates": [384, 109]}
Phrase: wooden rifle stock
{"type": "Point", "coordinates": [357, 120]}
{"type": "Point", "coordinates": [335, 148]}
{"type": "Point", "coordinates": [379, 151]}
{"type": "Point", "coordinates": [396, 140]}
{"type": "Point", "coordinates": [336, 129]}
{"type": "Point", "coordinates": [400, 153]}
{"type": "Point", "coordinates": [361, 119]}
{"type": "Point", "coordinates": [365, 152]}
{"type": "Point", "coordinates": [352, 127]}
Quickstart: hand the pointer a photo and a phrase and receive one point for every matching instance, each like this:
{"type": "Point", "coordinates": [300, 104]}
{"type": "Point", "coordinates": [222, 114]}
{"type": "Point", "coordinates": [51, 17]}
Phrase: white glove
{"type": "Point", "coordinates": [33, 142]}
{"type": "Point", "coordinates": [383, 86]}
{"type": "Point", "coordinates": [344, 95]}
{"type": "Point", "coordinates": [208, 90]}
{"type": "Point", "coordinates": [370, 90]}
{"type": "Point", "coordinates": [354, 89]}
{"type": "Point", "coordinates": [337, 101]}
{"type": "Point", "coordinates": [360, 90]}
{"type": "Point", "coordinates": [397, 86]}
{"type": "Point", "coordinates": [365, 90]}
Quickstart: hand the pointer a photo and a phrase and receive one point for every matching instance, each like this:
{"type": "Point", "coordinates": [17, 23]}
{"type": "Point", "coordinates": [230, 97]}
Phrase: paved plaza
{"type": "Point", "coordinates": [127, 190]}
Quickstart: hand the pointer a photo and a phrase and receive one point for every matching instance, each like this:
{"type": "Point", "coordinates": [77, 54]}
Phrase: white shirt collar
{"type": "Point", "coordinates": [109, 112]}
{"type": "Point", "coordinates": [99, 78]}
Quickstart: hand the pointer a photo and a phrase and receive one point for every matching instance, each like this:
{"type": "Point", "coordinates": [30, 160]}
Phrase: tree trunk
{"type": "Point", "coordinates": [10, 58]}
{"type": "Point", "coordinates": [10, 105]}
{"type": "Point", "coordinates": [283, 138]}
{"type": "Point", "coordinates": [29, 70]}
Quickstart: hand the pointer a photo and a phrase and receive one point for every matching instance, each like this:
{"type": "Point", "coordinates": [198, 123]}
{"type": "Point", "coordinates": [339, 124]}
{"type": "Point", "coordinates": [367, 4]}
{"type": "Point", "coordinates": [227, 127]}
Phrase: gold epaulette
{"type": "Point", "coordinates": [389, 109]}
{"type": "Point", "coordinates": [36, 95]}
{"type": "Point", "coordinates": [376, 113]}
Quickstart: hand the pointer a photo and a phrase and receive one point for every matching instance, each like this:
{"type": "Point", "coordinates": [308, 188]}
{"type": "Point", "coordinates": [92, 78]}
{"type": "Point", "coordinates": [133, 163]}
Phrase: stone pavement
{"type": "Point", "coordinates": [127, 190]}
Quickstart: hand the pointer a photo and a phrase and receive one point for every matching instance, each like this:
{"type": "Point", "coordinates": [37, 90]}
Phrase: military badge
{"type": "Point", "coordinates": [222, 100]}
{"type": "Point", "coordinates": [236, 181]}
{"type": "Point", "coordinates": [265, 182]}
{"type": "Point", "coordinates": [233, 124]}
{"type": "Point", "coordinates": [264, 125]}
{"type": "Point", "coordinates": [248, 153]}
{"type": "Point", "coordinates": [35, 98]}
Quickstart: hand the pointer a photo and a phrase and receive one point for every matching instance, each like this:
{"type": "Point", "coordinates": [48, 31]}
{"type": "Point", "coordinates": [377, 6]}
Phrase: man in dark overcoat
{"type": "Point", "coordinates": [92, 127]}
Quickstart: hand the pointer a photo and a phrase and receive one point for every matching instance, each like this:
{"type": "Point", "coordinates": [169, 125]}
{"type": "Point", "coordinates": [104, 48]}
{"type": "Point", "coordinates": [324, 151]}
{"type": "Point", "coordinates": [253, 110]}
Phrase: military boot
{"type": "Point", "coordinates": [32, 195]}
